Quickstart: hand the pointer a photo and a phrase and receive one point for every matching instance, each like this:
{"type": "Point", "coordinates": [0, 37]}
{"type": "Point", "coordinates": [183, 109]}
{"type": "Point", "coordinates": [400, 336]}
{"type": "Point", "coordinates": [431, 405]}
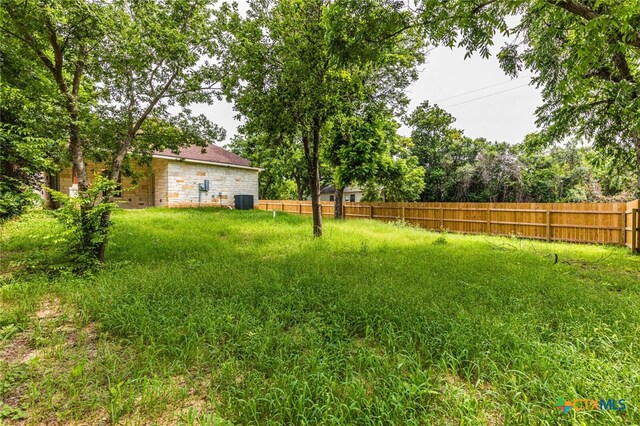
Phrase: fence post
{"type": "Point", "coordinates": [548, 226]}
{"type": "Point", "coordinates": [634, 231]}
{"type": "Point", "coordinates": [427, 216]}
{"type": "Point", "coordinates": [343, 211]}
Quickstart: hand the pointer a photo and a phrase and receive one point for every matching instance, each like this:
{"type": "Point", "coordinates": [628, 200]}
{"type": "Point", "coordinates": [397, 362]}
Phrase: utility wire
{"type": "Point", "coordinates": [486, 96]}
{"type": "Point", "coordinates": [483, 88]}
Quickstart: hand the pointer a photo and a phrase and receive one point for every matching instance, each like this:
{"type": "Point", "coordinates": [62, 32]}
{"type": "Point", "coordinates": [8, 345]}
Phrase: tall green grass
{"type": "Point", "coordinates": [372, 324]}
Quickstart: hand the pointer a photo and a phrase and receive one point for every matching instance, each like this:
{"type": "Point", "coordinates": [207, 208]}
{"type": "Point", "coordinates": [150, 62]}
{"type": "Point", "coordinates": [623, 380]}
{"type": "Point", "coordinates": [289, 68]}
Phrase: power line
{"type": "Point", "coordinates": [483, 88]}
{"type": "Point", "coordinates": [486, 96]}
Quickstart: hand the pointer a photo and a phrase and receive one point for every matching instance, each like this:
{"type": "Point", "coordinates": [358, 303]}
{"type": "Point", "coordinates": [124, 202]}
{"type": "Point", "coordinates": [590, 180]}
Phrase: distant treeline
{"type": "Point", "coordinates": [455, 167]}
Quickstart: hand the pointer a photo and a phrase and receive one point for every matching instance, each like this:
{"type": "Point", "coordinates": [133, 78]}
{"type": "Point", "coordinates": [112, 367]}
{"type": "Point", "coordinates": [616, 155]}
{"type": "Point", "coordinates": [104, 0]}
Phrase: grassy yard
{"type": "Point", "coordinates": [228, 317]}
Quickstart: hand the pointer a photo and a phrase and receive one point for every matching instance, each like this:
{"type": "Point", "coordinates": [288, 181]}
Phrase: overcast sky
{"type": "Point", "coordinates": [484, 101]}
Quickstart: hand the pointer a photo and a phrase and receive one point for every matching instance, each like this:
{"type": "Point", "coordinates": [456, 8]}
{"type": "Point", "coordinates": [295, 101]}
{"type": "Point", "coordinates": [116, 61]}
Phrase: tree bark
{"type": "Point", "coordinates": [105, 219]}
{"type": "Point", "coordinates": [75, 141]}
{"type": "Point", "coordinates": [338, 196]}
{"type": "Point", "coordinates": [299, 186]}
{"type": "Point", "coordinates": [75, 149]}
{"type": "Point", "coordinates": [311, 152]}
{"type": "Point", "coordinates": [636, 143]}
{"type": "Point", "coordinates": [101, 247]}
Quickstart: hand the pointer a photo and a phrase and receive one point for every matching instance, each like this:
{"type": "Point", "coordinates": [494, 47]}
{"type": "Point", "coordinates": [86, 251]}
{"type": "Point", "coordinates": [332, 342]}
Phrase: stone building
{"type": "Point", "coordinates": [350, 193]}
{"type": "Point", "coordinates": [195, 176]}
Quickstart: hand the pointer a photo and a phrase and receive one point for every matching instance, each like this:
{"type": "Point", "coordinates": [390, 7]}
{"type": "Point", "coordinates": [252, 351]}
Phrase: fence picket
{"type": "Point", "coordinates": [602, 223]}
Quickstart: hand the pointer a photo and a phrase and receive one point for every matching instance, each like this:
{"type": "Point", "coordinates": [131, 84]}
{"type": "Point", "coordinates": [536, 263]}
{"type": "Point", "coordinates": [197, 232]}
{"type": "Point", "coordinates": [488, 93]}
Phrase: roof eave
{"type": "Point", "coordinates": [213, 163]}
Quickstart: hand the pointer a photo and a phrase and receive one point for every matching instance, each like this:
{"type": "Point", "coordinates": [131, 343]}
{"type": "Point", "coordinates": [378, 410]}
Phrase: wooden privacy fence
{"type": "Point", "coordinates": [602, 223]}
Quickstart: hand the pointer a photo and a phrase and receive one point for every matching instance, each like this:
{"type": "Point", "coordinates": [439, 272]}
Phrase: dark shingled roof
{"type": "Point", "coordinates": [211, 153]}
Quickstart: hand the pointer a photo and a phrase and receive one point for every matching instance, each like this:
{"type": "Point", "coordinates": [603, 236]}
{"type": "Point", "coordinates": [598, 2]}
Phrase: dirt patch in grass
{"type": "Point", "coordinates": [49, 309]}
{"type": "Point", "coordinates": [99, 417]}
{"type": "Point", "coordinates": [494, 418]}
{"type": "Point", "coordinates": [480, 387]}
{"type": "Point", "coordinates": [20, 348]}
{"type": "Point", "coordinates": [182, 410]}
{"type": "Point", "coordinates": [480, 391]}
{"type": "Point", "coordinates": [47, 333]}
{"type": "Point", "coordinates": [16, 350]}
{"type": "Point", "coordinates": [14, 357]}
{"type": "Point", "coordinates": [86, 336]}
{"type": "Point", "coordinates": [373, 347]}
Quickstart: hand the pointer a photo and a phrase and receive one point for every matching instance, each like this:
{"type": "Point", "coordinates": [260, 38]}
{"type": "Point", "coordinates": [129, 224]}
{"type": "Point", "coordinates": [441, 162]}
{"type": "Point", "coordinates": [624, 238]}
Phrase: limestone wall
{"type": "Point", "coordinates": [139, 197]}
{"type": "Point", "coordinates": [173, 183]}
{"type": "Point", "coordinates": [224, 183]}
{"type": "Point", "coordinates": [160, 174]}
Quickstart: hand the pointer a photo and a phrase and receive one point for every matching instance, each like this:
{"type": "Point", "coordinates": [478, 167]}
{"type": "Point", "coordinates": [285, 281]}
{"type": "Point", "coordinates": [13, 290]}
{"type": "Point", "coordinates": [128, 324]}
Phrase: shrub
{"type": "Point", "coordinates": [86, 219]}
{"type": "Point", "coordinates": [15, 198]}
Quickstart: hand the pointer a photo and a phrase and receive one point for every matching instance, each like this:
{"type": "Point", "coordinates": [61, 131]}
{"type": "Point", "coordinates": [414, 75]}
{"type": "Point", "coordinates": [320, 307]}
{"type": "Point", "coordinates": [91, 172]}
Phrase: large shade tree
{"type": "Point", "coordinates": [117, 68]}
{"type": "Point", "coordinates": [434, 138]}
{"type": "Point", "coordinates": [365, 149]}
{"type": "Point", "coordinates": [31, 134]}
{"type": "Point", "coordinates": [294, 64]}
{"type": "Point", "coordinates": [399, 177]}
{"type": "Point", "coordinates": [61, 38]}
{"type": "Point", "coordinates": [152, 68]}
{"type": "Point", "coordinates": [584, 54]}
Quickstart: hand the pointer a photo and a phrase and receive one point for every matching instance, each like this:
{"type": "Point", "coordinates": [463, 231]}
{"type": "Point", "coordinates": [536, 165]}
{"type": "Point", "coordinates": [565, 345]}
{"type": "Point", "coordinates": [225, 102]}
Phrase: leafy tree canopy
{"type": "Point", "coordinates": [120, 76]}
{"type": "Point", "coordinates": [293, 65]}
{"type": "Point", "coordinates": [459, 168]}
{"type": "Point", "coordinates": [584, 54]}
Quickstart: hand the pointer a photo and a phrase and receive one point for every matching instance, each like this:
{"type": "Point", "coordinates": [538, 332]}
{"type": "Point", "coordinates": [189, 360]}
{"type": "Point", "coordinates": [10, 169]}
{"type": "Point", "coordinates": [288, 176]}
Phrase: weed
{"type": "Point", "coordinates": [441, 240]}
{"type": "Point", "coordinates": [12, 413]}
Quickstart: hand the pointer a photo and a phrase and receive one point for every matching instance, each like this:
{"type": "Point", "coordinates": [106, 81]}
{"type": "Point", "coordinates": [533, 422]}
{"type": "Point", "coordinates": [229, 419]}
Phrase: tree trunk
{"type": "Point", "coordinates": [116, 169]}
{"type": "Point", "coordinates": [77, 159]}
{"type": "Point", "coordinates": [101, 248]}
{"type": "Point", "coordinates": [636, 143]}
{"type": "Point", "coordinates": [312, 157]}
{"type": "Point", "coordinates": [337, 210]}
{"type": "Point", "coordinates": [75, 148]}
{"type": "Point", "coordinates": [71, 97]}
{"type": "Point", "coordinates": [299, 187]}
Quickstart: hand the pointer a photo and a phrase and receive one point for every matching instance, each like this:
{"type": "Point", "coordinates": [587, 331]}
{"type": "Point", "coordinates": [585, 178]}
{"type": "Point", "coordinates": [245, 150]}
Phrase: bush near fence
{"type": "Point", "coordinates": [602, 223]}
